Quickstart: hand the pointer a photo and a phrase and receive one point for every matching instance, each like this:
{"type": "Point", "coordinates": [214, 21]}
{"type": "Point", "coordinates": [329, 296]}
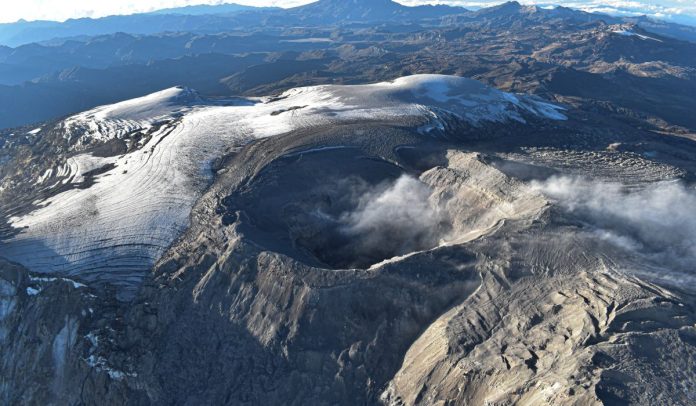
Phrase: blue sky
{"type": "Point", "coordinates": [11, 10]}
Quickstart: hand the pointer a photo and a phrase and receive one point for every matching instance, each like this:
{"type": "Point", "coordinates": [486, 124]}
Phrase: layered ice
{"type": "Point", "coordinates": [121, 119]}
{"type": "Point", "coordinates": [137, 205]}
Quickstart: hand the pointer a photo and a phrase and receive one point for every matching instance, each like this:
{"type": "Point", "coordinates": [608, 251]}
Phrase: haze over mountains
{"type": "Point", "coordinates": [114, 58]}
{"type": "Point", "coordinates": [226, 17]}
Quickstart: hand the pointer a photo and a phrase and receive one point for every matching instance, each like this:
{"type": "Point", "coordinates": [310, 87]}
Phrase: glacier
{"type": "Point", "coordinates": [139, 202]}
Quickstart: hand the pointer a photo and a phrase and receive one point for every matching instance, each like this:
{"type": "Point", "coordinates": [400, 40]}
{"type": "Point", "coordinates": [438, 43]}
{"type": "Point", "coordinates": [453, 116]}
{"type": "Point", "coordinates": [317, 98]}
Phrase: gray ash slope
{"type": "Point", "coordinates": [375, 244]}
{"type": "Point", "coordinates": [106, 215]}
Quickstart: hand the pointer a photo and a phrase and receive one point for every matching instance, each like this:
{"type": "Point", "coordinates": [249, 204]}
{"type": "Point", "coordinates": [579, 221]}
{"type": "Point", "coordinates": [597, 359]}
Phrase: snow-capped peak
{"type": "Point", "coordinates": [139, 202]}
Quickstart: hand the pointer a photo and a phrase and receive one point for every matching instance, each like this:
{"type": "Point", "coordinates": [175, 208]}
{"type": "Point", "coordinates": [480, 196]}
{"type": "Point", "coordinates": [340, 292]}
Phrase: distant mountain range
{"type": "Point", "coordinates": [207, 9]}
{"type": "Point", "coordinates": [229, 49]}
{"type": "Point", "coordinates": [220, 18]}
{"type": "Point", "coordinates": [24, 32]}
{"type": "Point", "coordinates": [210, 19]}
{"type": "Point", "coordinates": [367, 10]}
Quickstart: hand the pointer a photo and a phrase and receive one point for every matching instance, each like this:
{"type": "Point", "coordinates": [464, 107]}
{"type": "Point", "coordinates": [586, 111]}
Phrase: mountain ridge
{"type": "Point", "coordinates": [365, 10]}
{"type": "Point", "coordinates": [218, 18]}
{"type": "Point", "coordinates": [206, 9]}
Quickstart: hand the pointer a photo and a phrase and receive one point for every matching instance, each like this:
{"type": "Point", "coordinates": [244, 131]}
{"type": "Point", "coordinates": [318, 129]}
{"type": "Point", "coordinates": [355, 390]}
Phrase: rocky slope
{"type": "Point", "coordinates": [424, 241]}
{"type": "Point", "coordinates": [110, 216]}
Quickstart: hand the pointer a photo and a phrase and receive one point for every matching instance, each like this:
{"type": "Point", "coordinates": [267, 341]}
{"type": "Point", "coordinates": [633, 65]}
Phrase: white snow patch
{"type": "Point", "coordinates": [118, 120]}
{"type": "Point", "coordinates": [93, 340]}
{"type": "Point", "coordinates": [101, 364]}
{"type": "Point", "coordinates": [308, 40]}
{"type": "Point", "coordinates": [46, 175]}
{"type": "Point", "coordinates": [629, 33]}
{"type": "Point", "coordinates": [75, 284]}
{"type": "Point", "coordinates": [119, 227]}
{"type": "Point", "coordinates": [33, 291]}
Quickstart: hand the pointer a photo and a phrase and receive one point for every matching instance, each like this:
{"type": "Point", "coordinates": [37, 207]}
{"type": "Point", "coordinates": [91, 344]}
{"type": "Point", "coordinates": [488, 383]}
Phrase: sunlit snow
{"type": "Point", "coordinates": [117, 228]}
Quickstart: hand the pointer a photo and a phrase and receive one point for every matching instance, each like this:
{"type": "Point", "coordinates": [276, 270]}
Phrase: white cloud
{"type": "Point", "coordinates": [402, 209]}
{"type": "Point", "coordinates": [377, 222]}
{"type": "Point", "coordinates": [654, 222]}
